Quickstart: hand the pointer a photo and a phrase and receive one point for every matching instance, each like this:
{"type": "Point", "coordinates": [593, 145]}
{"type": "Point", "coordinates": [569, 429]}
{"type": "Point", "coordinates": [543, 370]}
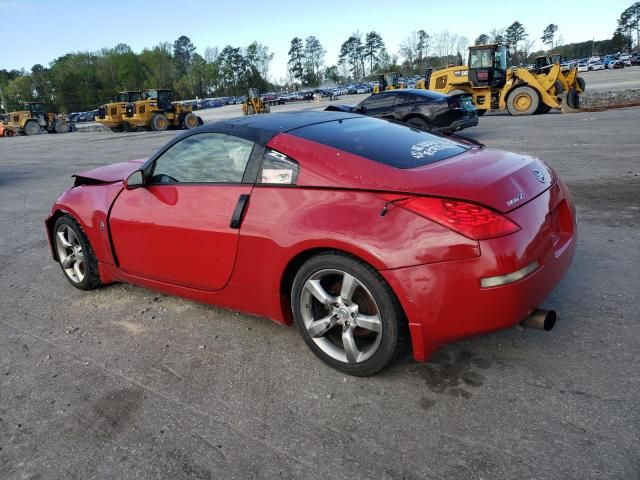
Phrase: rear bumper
{"type": "Point", "coordinates": [460, 124]}
{"type": "Point", "coordinates": [444, 302]}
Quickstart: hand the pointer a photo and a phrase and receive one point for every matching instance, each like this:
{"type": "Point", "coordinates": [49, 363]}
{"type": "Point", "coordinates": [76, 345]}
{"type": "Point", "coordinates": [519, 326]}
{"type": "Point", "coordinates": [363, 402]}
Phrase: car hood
{"type": "Point", "coordinates": [115, 172]}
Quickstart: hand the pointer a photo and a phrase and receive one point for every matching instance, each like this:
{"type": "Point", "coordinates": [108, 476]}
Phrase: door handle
{"type": "Point", "coordinates": [238, 212]}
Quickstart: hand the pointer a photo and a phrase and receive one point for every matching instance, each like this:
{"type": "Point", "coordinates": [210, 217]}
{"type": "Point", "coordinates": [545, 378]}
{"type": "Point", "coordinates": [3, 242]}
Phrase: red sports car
{"type": "Point", "coordinates": [361, 231]}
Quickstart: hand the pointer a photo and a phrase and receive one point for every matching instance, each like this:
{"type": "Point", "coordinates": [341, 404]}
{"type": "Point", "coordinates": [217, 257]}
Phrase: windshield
{"type": "Point", "coordinates": [480, 58]}
{"type": "Point", "coordinates": [37, 108]}
{"type": "Point", "coordinates": [392, 144]}
{"type": "Point", "coordinates": [151, 94]}
{"type": "Point", "coordinates": [501, 58]}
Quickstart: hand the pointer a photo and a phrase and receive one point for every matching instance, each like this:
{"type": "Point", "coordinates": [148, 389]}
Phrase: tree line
{"type": "Point", "coordinates": [84, 80]}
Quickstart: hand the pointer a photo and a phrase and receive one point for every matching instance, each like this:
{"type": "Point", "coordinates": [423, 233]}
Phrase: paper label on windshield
{"type": "Point", "coordinates": [429, 148]}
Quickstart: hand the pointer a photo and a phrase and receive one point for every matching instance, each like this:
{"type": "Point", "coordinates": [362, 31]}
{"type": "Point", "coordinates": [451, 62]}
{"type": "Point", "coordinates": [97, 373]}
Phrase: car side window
{"type": "Point", "coordinates": [405, 98]}
{"type": "Point", "coordinates": [379, 100]}
{"type": "Point", "coordinates": [203, 158]}
{"type": "Point", "coordinates": [278, 168]}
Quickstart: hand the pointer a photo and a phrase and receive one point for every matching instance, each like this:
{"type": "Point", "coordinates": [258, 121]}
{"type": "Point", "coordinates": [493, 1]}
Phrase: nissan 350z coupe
{"type": "Point", "coordinates": [367, 235]}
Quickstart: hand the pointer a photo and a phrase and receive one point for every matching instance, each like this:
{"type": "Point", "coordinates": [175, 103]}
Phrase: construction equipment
{"type": "Point", "coordinates": [388, 81]}
{"type": "Point", "coordinates": [33, 119]}
{"type": "Point", "coordinates": [494, 86]}
{"type": "Point", "coordinates": [254, 104]}
{"type": "Point", "coordinates": [6, 131]}
{"type": "Point", "coordinates": [114, 114]}
{"type": "Point", "coordinates": [156, 110]}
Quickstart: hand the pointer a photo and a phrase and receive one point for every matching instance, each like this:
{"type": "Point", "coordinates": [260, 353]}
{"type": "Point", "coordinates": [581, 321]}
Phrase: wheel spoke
{"type": "Point", "coordinates": [349, 343]}
{"type": "Point", "coordinates": [72, 237]}
{"type": "Point", "coordinates": [318, 328]}
{"type": "Point", "coordinates": [69, 261]}
{"type": "Point", "coordinates": [77, 271]}
{"type": "Point", "coordinates": [65, 243]}
{"type": "Point", "coordinates": [369, 322]}
{"type": "Point", "coordinates": [349, 285]}
{"type": "Point", "coordinates": [318, 291]}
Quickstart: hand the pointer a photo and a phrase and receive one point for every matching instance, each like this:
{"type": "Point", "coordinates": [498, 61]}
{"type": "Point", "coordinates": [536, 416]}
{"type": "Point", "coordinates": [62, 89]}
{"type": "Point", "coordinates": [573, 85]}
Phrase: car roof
{"type": "Point", "coordinates": [428, 94]}
{"type": "Point", "coordinates": [262, 128]}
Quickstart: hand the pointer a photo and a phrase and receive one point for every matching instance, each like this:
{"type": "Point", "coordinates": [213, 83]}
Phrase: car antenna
{"type": "Point", "coordinates": [385, 209]}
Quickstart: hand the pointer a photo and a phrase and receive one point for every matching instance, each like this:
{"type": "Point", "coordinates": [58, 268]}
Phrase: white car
{"type": "Point", "coordinates": [583, 67]}
{"type": "Point", "coordinates": [597, 66]}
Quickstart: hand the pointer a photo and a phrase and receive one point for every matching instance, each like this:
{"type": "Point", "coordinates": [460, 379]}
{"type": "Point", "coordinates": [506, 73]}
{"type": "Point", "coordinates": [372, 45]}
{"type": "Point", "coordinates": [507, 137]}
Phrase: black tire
{"type": "Point", "coordinates": [31, 128]}
{"type": "Point", "coordinates": [523, 100]}
{"type": "Point", "coordinates": [419, 123]}
{"type": "Point", "coordinates": [91, 277]}
{"type": "Point", "coordinates": [72, 127]}
{"type": "Point", "coordinates": [200, 121]}
{"type": "Point", "coordinates": [250, 110]}
{"type": "Point", "coordinates": [60, 126]}
{"type": "Point", "coordinates": [573, 99]}
{"type": "Point", "coordinates": [581, 84]}
{"type": "Point", "coordinates": [159, 123]}
{"type": "Point", "coordinates": [558, 87]}
{"type": "Point", "coordinates": [116, 129]}
{"type": "Point", "coordinates": [127, 127]}
{"type": "Point", "coordinates": [387, 344]}
{"type": "Point", "coordinates": [189, 121]}
{"type": "Point", "coordinates": [543, 108]}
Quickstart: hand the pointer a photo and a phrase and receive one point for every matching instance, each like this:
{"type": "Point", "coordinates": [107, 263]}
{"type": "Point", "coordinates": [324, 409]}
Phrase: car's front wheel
{"type": "Point", "coordinates": [75, 255]}
{"type": "Point", "coordinates": [347, 314]}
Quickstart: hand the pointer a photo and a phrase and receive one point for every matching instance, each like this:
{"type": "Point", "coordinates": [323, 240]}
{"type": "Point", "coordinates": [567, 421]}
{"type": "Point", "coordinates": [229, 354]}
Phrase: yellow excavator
{"type": "Point", "coordinates": [32, 120]}
{"type": "Point", "coordinates": [388, 81]}
{"type": "Point", "coordinates": [114, 114]}
{"type": "Point", "coordinates": [157, 111]}
{"type": "Point", "coordinates": [254, 103]}
{"type": "Point", "coordinates": [495, 86]}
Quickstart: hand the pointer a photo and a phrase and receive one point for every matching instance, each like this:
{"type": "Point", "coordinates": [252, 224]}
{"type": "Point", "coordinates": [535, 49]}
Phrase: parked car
{"type": "Point", "coordinates": [418, 108]}
{"type": "Point", "coordinates": [596, 66]}
{"type": "Point", "coordinates": [583, 67]}
{"type": "Point", "coordinates": [616, 64]}
{"type": "Point", "coordinates": [388, 232]}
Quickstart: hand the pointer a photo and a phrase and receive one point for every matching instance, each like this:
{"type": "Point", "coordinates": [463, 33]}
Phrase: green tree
{"type": "Point", "coordinates": [514, 34]}
{"type": "Point", "coordinates": [549, 35]}
{"type": "Point", "coordinates": [314, 54]}
{"type": "Point", "coordinates": [352, 53]}
{"type": "Point", "coordinates": [296, 58]}
{"type": "Point", "coordinates": [373, 45]}
{"type": "Point", "coordinates": [158, 66]}
{"type": "Point", "coordinates": [183, 51]}
{"type": "Point", "coordinates": [482, 39]}
{"type": "Point", "coordinates": [629, 24]}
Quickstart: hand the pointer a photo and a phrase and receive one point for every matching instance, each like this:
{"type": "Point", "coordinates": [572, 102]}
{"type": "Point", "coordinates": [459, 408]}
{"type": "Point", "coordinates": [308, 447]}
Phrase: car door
{"type": "Point", "coordinates": [182, 226]}
{"type": "Point", "coordinates": [379, 105]}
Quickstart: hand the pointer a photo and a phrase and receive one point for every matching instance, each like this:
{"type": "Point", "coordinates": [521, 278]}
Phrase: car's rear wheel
{"type": "Point", "coordinates": [347, 314]}
{"type": "Point", "coordinates": [76, 257]}
{"type": "Point", "coordinates": [419, 123]}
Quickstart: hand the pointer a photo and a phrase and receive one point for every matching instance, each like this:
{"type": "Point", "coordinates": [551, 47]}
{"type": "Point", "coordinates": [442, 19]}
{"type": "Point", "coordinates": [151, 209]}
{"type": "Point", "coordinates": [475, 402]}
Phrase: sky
{"type": "Point", "coordinates": [48, 29]}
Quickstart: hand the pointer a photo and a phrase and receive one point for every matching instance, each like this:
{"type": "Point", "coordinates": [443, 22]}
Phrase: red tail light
{"type": "Point", "coordinates": [469, 219]}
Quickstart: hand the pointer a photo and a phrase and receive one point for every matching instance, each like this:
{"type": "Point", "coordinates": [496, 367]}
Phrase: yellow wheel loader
{"type": "Point", "coordinates": [32, 120]}
{"type": "Point", "coordinates": [254, 103]}
{"type": "Point", "coordinates": [388, 81]}
{"type": "Point", "coordinates": [494, 86]}
{"type": "Point", "coordinates": [157, 111]}
{"type": "Point", "coordinates": [114, 114]}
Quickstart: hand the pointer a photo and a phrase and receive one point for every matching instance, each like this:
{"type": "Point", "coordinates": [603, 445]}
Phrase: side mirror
{"type": "Point", "coordinates": [135, 180]}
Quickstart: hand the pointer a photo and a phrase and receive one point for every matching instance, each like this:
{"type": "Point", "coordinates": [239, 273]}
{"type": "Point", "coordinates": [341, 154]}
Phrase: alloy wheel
{"type": "Point", "coordinates": [341, 316]}
{"type": "Point", "coordinates": [70, 253]}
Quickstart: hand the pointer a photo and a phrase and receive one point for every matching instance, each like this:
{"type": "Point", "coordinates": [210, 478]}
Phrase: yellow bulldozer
{"type": "Point", "coordinates": [254, 104]}
{"type": "Point", "coordinates": [33, 119]}
{"type": "Point", "coordinates": [157, 111]}
{"type": "Point", "coordinates": [388, 81]}
{"type": "Point", "coordinates": [495, 86]}
{"type": "Point", "coordinates": [114, 114]}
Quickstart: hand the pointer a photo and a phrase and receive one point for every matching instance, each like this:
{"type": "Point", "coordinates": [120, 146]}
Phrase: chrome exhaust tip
{"type": "Point", "coordinates": [540, 320]}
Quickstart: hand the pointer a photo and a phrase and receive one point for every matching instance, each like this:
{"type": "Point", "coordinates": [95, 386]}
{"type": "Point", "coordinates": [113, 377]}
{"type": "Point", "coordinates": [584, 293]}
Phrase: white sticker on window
{"type": "Point", "coordinates": [277, 175]}
{"type": "Point", "coordinates": [429, 148]}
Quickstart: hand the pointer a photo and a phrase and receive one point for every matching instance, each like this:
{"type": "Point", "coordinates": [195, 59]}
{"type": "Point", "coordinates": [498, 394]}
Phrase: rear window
{"type": "Point", "coordinates": [384, 142]}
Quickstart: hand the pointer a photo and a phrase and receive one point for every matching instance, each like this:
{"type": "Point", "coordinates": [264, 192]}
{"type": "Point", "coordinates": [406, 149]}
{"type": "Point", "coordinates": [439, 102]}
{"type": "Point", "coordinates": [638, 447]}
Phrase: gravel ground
{"type": "Point", "coordinates": [126, 383]}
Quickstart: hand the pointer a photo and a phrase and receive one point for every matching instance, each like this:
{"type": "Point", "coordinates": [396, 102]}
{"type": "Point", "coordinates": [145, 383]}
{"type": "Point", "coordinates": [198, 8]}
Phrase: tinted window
{"type": "Point", "coordinates": [389, 143]}
{"type": "Point", "coordinates": [380, 100]}
{"type": "Point", "coordinates": [278, 168]}
{"type": "Point", "coordinates": [204, 158]}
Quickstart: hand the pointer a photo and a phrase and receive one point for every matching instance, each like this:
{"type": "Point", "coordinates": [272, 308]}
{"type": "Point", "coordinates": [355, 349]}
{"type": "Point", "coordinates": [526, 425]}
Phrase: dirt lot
{"type": "Point", "coordinates": [125, 383]}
